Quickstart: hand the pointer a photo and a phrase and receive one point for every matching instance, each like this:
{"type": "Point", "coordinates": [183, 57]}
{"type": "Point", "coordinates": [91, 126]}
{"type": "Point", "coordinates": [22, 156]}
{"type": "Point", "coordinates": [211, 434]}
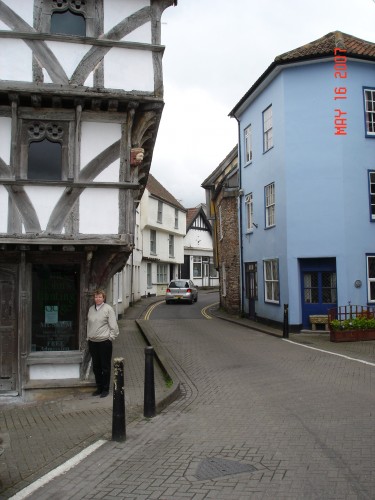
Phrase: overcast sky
{"type": "Point", "coordinates": [215, 50]}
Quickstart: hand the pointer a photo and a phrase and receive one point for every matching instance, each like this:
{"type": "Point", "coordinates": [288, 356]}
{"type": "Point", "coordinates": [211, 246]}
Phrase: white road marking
{"type": "Point", "coordinates": [61, 469]}
{"type": "Point", "coordinates": [330, 352]}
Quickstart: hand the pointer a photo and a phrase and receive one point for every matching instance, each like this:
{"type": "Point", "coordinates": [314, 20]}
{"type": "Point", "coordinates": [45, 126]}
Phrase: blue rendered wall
{"type": "Point", "coordinates": [322, 205]}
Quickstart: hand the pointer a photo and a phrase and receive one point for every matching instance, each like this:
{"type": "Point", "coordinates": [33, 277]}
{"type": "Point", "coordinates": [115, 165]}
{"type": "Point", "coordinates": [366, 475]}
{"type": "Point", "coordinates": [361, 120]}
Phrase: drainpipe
{"type": "Point", "coordinates": [240, 223]}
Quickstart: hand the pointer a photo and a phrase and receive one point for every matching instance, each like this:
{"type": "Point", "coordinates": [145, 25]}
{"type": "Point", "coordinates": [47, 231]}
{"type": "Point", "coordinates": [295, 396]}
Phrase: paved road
{"type": "Point", "coordinates": [259, 418]}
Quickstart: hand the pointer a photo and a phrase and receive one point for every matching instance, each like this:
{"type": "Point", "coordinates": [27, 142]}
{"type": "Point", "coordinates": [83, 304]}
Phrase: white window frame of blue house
{"type": "Point", "coordinates": [271, 281]}
{"type": "Point", "coordinates": [269, 204]}
{"type": "Point", "coordinates": [249, 212]}
{"type": "Point", "coordinates": [370, 263]}
{"type": "Point", "coordinates": [371, 187]}
{"type": "Point", "coordinates": [248, 139]}
{"type": "Point", "coordinates": [267, 129]}
{"type": "Point", "coordinates": [369, 103]}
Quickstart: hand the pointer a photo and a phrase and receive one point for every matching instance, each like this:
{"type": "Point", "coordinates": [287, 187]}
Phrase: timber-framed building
{"type": "Point", "coordinates": [81, 96]}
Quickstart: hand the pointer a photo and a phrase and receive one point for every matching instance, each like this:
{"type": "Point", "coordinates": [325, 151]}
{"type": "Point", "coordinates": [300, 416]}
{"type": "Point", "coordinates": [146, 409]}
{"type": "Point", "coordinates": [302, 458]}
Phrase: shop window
{"type": "Point", "coordinates": [55, 305]}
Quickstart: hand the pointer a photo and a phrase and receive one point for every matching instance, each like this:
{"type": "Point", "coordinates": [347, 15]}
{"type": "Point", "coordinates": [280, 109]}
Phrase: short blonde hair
{"type": "Point", "coordinates": [100, 291]}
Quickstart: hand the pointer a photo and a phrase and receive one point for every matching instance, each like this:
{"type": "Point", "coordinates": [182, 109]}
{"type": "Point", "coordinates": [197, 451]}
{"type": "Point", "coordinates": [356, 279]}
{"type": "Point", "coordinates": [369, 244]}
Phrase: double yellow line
{"type": "Point", "coordinates": [203, 311]}
{"type": "Point", "coordinates": [151, 308]}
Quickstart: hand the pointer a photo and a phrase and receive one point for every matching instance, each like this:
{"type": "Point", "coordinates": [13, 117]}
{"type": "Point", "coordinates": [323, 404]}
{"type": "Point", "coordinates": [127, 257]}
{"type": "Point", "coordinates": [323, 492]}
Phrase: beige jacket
{"type": "Point", "coordinates": [101, 324]}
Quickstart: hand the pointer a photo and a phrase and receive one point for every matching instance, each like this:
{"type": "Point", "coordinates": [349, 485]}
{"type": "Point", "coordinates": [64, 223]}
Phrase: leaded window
{"type": "Point", "coordinates": [372, 194]}
{"type": "Point", "coordinates": [369, 95]}
{"type": "Point", "coordinates": [371, 278]}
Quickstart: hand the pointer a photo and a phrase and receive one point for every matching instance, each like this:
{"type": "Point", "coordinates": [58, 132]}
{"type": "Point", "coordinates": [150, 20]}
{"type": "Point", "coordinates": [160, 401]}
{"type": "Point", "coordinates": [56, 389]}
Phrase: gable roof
{"type": "Point", "coordinates": [192, 215]}
{"type": "Point", "coordinates": [321, 48]}
{"type": "Point", "coordinates": [158, 191]}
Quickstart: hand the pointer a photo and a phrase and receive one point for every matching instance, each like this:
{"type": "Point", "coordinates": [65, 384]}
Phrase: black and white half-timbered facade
{"type": "Point", "coordinates": [81, 96]}
{"type": "Point", "coordinates": [198, 250]}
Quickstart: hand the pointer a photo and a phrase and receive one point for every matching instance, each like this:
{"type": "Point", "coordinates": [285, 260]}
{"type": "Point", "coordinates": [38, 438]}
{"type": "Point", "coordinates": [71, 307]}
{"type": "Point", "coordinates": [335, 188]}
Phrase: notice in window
{"type": "Point", "coordinates": [51, 315]}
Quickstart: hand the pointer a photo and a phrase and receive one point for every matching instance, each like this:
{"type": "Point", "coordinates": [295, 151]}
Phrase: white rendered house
{"type": "Point", "coordinates": [163, 226]}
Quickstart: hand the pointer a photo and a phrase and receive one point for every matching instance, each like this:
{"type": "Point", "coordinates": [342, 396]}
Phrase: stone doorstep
{"type": "Point", "coordinates": [43, 390]}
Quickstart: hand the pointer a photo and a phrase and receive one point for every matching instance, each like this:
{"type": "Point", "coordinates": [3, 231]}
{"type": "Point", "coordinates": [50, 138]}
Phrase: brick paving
{"type": "Point", "coordinates": [258, 418]}
{"type": "Point", "coordinates": [37, 437]}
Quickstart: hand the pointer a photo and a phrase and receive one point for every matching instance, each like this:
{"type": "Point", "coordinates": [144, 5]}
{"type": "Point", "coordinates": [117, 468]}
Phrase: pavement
{"type": "Point", "coordinates": [37, 438]}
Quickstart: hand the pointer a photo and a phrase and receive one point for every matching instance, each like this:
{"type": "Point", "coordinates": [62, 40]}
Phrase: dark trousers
{"type": "Point", "coordinates": [101, 355]}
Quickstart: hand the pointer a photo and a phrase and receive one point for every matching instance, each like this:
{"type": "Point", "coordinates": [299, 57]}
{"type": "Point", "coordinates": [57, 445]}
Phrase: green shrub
{"type": "Point", "coordinates": [358, 323]}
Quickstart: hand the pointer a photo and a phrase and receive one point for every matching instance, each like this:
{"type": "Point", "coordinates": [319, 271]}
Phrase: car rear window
{"type": "Point", "coordinates": [179, 284]}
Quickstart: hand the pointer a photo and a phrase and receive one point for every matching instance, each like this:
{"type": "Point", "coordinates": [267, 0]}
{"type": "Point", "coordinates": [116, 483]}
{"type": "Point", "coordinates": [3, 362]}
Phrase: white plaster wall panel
{"type": "Point", "coordinates": [99, 211]}
{"type": "Point", "coordinates": [141, 34]}
{"type": "Point", "coordinates": [96, 137]}
{"type": "Point", "coordinates": [5, 135]}
{"type": "Point", "coordinates": [89, 82]}
{"type": "Point", "coordinates": [3, 210]}
{"type": "Point", "coordinates": [46, 77]}
{"type": "Point", "coordinates": [117, 10]}
{"type": "Point", "coordinates": [198, 239]}
{"type": "Point", "coordinates": [44, 201]}
{"type": "Point", "coordinates": [53, 371]}
{"type": "Point", "coordinates": [129, 69]}
{"type": "Point", "coordinates": [15, 68]}
{"type": "Point", "coordinates": [24, 8]}
{"type": "Point", "coordinates": [110, 174]}
{"type": "Point", "coordinates": [4, 27]}
{"type": "Point", "coordinates": [69, 55]}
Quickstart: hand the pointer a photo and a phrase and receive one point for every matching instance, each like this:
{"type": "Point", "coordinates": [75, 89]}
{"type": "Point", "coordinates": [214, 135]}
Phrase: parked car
{"type": "Point", "coordinates": [181, 290]}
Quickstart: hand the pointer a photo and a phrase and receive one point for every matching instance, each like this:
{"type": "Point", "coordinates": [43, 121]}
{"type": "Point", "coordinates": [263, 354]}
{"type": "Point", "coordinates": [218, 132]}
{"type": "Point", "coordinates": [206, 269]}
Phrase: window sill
{"type": "Point", "coordinates": [56, 357]}
{"type": "Point", "coordinates": [269, 149]}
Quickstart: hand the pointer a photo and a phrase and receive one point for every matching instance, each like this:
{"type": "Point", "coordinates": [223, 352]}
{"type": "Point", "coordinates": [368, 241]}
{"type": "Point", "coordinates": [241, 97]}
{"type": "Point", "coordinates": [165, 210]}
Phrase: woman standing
{"type": "Point", "coordinates": [102, 329]}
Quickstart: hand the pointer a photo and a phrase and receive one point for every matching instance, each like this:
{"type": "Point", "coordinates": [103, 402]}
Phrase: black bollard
{"type": "Point", "coordinates": [149, 410]}
{"type": "Point", "coordinates": [118, 416]}
{"type": "Point", "coordinates": [286, 322]}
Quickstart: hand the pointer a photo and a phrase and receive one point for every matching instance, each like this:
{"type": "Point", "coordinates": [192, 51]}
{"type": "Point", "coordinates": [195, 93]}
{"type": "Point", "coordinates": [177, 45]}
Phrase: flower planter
{"type": "Point", "coordinates": [351, 335]}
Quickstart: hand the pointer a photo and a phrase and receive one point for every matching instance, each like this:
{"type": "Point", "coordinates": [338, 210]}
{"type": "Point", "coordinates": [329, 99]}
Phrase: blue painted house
{"type": "Point", "coordinates": [307, 178]}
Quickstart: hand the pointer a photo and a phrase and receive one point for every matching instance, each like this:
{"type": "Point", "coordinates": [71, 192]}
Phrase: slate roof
{"type": "Point", "coordinates": [323, 47]}
{"type": "Point", "coordinates": [156, 189]}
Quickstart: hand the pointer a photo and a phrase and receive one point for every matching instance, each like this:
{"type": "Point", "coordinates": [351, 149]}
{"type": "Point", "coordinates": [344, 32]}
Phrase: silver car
{"type": "Point", "coordinates": [181, 290]}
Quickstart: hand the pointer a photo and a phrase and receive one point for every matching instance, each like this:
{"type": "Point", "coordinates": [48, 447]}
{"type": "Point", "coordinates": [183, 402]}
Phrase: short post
{"type": "Point", "coordinates": [149, 392]}
{"type": "Point", "coordinates": [118, 415]}
{"type": "Point", "coordinates": [286, 322]}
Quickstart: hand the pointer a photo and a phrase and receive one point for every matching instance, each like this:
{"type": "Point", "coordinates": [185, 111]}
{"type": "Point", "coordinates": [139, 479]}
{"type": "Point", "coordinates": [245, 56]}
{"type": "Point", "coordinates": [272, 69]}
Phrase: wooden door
{"type": "Point", "coordinates": [8, 329]}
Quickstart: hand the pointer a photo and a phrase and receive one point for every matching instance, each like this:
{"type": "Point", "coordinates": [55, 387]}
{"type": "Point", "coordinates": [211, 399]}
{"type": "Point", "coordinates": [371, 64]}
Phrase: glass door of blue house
{"type": "Point", "coordinates": [318, 287]}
